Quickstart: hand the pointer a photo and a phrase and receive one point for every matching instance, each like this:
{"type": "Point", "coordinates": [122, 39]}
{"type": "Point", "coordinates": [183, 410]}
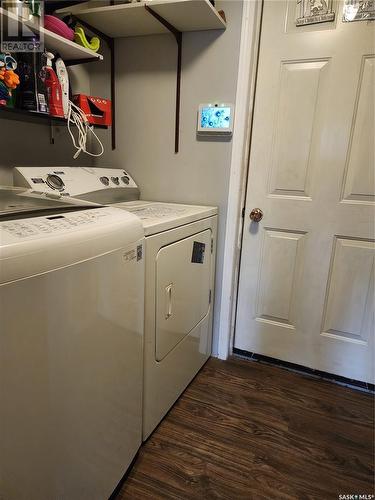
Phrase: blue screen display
{"type": "Point", "coordinates": [215, 117]}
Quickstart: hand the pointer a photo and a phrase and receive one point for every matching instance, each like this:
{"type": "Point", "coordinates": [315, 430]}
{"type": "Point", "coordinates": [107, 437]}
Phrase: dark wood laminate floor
{"type": "Point", "coordinates": [246, 430]}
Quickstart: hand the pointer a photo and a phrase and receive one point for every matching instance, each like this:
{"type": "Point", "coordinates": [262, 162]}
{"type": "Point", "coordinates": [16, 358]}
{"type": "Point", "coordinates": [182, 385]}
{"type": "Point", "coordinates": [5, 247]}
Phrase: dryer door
{"type": "Point", "coordinates": [183, 275]}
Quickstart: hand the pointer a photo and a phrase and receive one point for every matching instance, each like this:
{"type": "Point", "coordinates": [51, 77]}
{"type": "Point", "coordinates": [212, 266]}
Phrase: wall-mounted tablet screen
{"type": "Point", "coordinates": [215, 119]}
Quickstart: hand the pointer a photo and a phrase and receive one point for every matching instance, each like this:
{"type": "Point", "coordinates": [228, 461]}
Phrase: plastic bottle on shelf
{"type": "Point", "coordinates": [54, 92]}
{"type": "Point", "coordinates": [62, 75]}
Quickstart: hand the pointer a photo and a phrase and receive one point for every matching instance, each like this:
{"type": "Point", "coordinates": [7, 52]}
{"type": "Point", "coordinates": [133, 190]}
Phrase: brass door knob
{"type": "Point", "coordinates": [256, 215]}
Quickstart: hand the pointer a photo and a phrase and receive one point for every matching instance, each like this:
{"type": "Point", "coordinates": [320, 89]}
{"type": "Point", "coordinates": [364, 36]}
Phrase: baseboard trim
{"type": "Point", "coordinates": [337, 379]}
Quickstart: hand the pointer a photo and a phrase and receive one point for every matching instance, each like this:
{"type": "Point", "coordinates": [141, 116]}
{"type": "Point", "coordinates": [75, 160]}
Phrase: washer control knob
{"type": "Point", "coordinates": [104, 180]}
{"type": "Point", "coordinates": [125, 179]}
{"type": "Point", "coordinates": [55, 182]}
{"type": "Point", "coordinates": [115, 180]}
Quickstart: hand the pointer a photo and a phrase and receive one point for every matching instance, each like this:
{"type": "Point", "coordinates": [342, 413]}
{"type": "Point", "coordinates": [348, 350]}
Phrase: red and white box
{"type": "Point", "coordinates": [97, 109]}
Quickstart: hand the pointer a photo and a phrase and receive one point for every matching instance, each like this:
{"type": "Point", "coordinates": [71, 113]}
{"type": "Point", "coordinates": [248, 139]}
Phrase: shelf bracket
{"type": "Point", "coordinates": [111, 45]}
{"type": "Point", "coordinates": [178, 36]}
{"type": "Point", "coordinates": [51, 133]}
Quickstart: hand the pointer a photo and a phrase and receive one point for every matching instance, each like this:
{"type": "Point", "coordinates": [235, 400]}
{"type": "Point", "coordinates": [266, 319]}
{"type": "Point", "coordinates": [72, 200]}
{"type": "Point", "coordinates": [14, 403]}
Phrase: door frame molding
{"type": "Point", "coordinates": [245, 94]}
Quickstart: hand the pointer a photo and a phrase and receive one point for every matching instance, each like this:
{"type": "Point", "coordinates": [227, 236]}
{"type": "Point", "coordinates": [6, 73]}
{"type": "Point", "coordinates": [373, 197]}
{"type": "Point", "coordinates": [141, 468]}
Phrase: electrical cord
{"type": "Point", "coordinates": [78, 118]}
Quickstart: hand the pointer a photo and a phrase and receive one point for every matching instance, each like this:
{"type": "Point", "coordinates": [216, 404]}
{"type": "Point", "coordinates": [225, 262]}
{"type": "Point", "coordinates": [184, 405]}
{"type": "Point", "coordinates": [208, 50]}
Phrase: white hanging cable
{"type": "Point", "coordinates": [78, 118]}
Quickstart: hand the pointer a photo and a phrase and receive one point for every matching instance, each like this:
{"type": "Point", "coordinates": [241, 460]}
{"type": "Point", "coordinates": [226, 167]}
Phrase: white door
{"type": "Point", "coordinates": [306, 290]}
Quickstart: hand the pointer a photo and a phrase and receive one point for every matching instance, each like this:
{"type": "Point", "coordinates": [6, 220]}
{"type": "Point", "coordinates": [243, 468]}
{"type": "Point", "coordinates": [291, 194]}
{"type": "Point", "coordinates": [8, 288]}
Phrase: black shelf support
{"type": "Point", "coordinates": [178, 36]}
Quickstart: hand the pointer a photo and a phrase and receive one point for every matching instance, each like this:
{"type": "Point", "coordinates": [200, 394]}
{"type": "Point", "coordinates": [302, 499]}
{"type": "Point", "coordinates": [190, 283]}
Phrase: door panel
{"type": "Point", "coordinates": [306, 290]}
{"type": "Point", "coordinates": [183, 282]}
{"type": "Point", "coordinates": [299, 83]}
{"type": "Point", "coordinates": [359, 180]}
{"type": "Point", "coordinates": [282, 253]}
{"type": "Point", "coordinates": [350, 309]}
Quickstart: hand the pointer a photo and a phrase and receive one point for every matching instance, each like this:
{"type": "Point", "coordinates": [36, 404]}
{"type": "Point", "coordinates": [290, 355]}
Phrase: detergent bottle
{"type": "Point", "coordinates": [54, 92]}
{"type": "Point", "coordinates": [62, 75]}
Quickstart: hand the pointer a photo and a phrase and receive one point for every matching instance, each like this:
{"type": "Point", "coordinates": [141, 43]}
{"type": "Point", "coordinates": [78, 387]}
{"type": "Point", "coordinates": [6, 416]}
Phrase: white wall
{"type": "Point", "coordinates": [146, 78]}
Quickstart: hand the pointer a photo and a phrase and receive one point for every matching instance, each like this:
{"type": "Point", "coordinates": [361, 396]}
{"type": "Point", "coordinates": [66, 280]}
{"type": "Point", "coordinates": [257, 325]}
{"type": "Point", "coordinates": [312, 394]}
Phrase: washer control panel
{"type": "Point", "coordinates": [38, 226]}
{"type": "Point", "coordinates": [72, 181]}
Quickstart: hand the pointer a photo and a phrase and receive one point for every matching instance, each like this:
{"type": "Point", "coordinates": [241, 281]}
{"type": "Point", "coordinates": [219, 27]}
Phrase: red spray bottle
{"type": "Point", "coordinates": [54, 91]}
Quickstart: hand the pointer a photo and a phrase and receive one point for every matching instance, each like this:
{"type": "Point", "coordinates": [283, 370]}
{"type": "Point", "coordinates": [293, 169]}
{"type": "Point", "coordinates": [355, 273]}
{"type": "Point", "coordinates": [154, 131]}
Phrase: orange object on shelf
{"type": "Point", "coordinates": [11, 79]}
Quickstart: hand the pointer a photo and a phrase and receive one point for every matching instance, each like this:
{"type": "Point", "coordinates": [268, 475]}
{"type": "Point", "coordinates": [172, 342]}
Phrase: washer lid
{"type": "Point", "coordinates": [44, 243]}
{"type": "Point", "coordinates": [16, 201]}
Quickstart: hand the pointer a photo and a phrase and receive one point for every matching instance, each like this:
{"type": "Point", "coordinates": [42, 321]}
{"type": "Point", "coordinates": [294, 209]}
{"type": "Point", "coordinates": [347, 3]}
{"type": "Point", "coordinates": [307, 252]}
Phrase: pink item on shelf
{"type": "Point", "coordinates": [54, 24]}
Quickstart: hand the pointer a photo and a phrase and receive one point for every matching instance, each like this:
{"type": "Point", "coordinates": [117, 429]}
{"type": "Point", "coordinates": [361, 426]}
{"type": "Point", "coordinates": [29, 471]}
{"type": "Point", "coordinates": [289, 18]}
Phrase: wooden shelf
{"type": "Point", "coordinates": [34, 117]}
{"type": "Point", "coordinates": [132, 19]}
{"type": "Point", "coordinates": [70, 52]}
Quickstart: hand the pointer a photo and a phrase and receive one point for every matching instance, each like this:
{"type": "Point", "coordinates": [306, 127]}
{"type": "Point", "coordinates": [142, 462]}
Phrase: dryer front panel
{"type": "Point", "coordinates": [183, 282]}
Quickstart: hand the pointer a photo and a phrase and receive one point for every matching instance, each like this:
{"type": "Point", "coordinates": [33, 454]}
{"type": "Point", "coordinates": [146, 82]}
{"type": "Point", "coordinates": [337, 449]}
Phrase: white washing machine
{"type": "Point", "coordinates": [180, 248]}
{"type": "Point", "coordinates": [71, 340]}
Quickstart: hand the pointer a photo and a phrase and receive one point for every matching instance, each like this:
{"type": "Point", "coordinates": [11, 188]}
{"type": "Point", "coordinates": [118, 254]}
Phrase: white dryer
{"type": "Point", "coordinates": [71, 340]}
{"type": "Point", "coordinates": [180, 248]}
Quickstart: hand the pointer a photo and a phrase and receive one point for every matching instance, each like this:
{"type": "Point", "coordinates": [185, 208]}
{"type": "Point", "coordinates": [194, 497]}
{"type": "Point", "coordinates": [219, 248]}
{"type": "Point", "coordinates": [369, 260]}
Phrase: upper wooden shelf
{"type": "Point", "coordinates": [69, 51]}
{"type": "Point", "coordinates": [132, 19]}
